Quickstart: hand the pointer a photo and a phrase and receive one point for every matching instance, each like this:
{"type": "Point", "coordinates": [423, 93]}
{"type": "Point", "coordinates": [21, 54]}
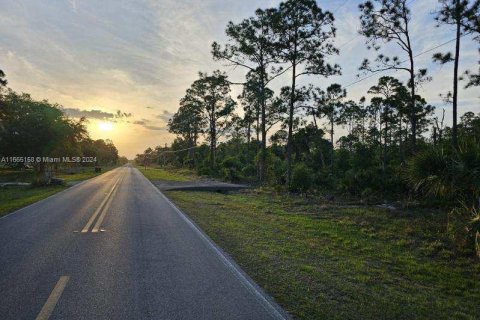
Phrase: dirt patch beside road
{"type": "Point", "coordinates": [199, 185]}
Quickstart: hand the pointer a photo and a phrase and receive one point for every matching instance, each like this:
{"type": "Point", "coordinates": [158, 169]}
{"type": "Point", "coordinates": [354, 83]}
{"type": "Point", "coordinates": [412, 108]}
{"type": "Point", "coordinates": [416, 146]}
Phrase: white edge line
{"type": "Point", "coordinates": [235, 270]}
{"type": "Point", "coordinates": [56, 194]}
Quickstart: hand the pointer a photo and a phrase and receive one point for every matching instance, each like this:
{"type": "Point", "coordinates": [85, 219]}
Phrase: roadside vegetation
{"type": "Point", "coordinates": [389, 146]}
{"type": "Point", "coordinates": [325, 261]}
{"type": "Point", "coordinates": [15, 197]}
{"type": "Point", "coordinates": [31, 128]}
{"type": "Point", "coordinates": [313, 234]}
{"type": "Point", "coordinates": [168, 174]}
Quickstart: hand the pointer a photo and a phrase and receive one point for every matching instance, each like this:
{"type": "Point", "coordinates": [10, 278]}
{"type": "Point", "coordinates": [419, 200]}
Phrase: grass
{"type": "Point", "coordinates": [12, 175]}
{"type": "Point", "coordinates": [167, 174]}
{"type": "Point", "coordinates": [327, 262]}
{"type": "Point", "coordinates": [83, 175]}
{"type": "Point", "coordinates": [16, 197]}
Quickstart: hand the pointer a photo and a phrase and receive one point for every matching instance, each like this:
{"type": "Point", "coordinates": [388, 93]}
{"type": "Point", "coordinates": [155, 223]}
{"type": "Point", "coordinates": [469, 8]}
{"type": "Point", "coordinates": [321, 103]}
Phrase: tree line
{"type": "Point", "coordinates": [31, 128]}
{"type": "Point", "coordinates": [395, 146]}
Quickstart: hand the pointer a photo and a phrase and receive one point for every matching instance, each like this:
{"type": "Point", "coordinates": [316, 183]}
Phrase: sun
{"type": "Point", "coordinates": [106, 126]}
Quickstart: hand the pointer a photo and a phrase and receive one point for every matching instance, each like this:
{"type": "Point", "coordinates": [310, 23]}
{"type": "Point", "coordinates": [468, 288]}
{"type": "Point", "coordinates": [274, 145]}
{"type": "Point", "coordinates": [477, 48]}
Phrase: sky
{"type": "Point", "coordinates": [125, 64]}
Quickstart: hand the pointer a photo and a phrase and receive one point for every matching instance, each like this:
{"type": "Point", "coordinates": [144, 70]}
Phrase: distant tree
{"type": "Point", "coordinates": [212, 94]}
{"type": "Point", "coordinates": [304, 40]}
{"type": "Point", "coordinates": [106, 152]}
{"type": "Point", "coordinates": [469, 127]}
{"type": "Point", "coordinates": [253, 98]}
{"type": "Point", "coordinates": [146, 158]}
{"type": "Point", "coordinates": [250, 45]}
{"type": "Point", "coordinates": [188, 122]}
{"type": "Point", "coordinates": [388, 21]}
{"type": "Point", "coordinates": [388, 92]}
{"type": "Point", "coordinates": [459, 13]}
{"type": "Point", "coordinates": [353, 115]}
{"type": "Point", "coordinates": [328, 104]}
{"type": "Point", "coordinates": [249, 99]}
{"type": "Point", "coordinates": [122, 160]}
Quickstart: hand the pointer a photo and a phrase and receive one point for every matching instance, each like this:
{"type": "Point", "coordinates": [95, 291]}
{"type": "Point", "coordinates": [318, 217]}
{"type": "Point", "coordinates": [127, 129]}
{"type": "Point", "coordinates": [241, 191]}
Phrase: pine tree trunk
{"type": "Point", "coordinates": [263, 156]}
{"type": "Point", "coordinates": [213, 137]}
{"type": "Point", "coordinates": [455, 82]}
{"type": "Point", "coordinates": [290, 125]}
{"type": "Point", "coordinates": [331, 140]}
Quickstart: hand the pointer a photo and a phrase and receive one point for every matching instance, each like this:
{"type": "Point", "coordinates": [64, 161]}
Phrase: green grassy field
{"type": "Point", "coordinates": [327, 262]}
{"type": "Point", "coordinates": [170, 174]}
{"type": "Point", "coordinates": [12, 175]}
{"type": "Point", "coordinates": [16, 197]}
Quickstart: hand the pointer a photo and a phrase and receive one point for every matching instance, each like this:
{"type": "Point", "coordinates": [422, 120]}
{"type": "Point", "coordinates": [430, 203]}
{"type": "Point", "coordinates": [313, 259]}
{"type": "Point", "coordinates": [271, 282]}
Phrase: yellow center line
{"type": "Point", "coordinates": [105, 209]}
{"type": "Point", "coordinates": [53, 299]}
{"type": "Point", "coordinates": [95, 214]}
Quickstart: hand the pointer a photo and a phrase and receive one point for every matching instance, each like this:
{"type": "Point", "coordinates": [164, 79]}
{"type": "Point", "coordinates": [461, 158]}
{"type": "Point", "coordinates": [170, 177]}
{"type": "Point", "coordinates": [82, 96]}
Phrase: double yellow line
{"type": "Point", "coordinates": [57, 291]}
{"type": "Point", "coordinates": [102, 210]}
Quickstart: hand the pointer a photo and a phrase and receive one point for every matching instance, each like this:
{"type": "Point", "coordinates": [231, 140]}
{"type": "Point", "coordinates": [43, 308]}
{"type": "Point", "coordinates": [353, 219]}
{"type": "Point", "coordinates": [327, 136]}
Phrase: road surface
{"type": "Point", "coordinates": [114, 247]}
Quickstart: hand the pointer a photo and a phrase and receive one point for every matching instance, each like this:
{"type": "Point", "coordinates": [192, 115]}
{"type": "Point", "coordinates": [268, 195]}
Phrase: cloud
{"type": "Point", "coordinates": [157, 128]}
{"type": "Point", "coordinates": [74, 5]}
{"type": "Point", "coordinates": [140, 122]}
{"type": "Point", "coordinates": [91, 114]}
{"type": "Point", "coordinates": [165, 115]}
{"type": "Point", "coordinates": [145, 123]}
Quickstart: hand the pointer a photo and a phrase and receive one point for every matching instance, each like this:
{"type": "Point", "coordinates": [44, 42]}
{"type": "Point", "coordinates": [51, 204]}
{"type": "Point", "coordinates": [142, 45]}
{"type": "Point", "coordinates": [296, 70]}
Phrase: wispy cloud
{"type": "Point", "coordinates": [147, 124]}
{"type": "Point", "coordinates": [165, 115]}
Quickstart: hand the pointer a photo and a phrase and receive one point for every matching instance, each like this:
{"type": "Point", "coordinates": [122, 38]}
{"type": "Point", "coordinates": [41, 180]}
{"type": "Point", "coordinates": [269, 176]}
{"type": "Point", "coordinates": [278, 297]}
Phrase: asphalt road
{"type": "Point", "coordinates": [114, 247]}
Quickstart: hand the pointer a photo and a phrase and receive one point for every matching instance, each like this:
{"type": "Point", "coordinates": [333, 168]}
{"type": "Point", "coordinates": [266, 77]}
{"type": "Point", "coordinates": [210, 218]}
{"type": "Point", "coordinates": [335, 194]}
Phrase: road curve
{"type": "Point", "coordinates": [114, 247]}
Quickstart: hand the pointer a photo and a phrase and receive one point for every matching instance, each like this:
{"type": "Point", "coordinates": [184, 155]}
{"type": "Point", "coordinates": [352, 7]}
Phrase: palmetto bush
{"type": "Point", "coordinates": [447, 173]}
{"type": "Point", "coordinates": [431, 172]}
{"type": "Point", "coordinates": [453, 175]}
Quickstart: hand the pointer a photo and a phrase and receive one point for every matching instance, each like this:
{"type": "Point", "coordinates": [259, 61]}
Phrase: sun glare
{"type": "Point", "coordinates": [106, 126]}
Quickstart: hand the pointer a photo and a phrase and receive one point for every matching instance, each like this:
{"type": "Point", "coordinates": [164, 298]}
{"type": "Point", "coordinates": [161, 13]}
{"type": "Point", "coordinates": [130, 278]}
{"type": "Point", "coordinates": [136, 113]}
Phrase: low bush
{"type": "Point", "coordinates": [302, 178]}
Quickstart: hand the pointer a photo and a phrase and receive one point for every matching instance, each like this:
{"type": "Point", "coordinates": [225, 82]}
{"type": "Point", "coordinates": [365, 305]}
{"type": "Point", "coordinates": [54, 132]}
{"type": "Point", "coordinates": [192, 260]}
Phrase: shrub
{"type": "Point", "coordinates": [249, 171]}
{"type": "Point", "coordinates": [275, 169]}
{"type": "Point", "coordinates": [447, 173]}
{"type": "Point", "coordinates": [231, 169]}
{"type": "Point", "coordinates": [302, 178]}
{"type": "Point", "coordinates": [356, 181]}
{"type": "Point", "coordinates": [324, 179]}
{"type": "Point", "coordinates": [430, 172]}
{"type": "Point", "coordinates": [464, 228]}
